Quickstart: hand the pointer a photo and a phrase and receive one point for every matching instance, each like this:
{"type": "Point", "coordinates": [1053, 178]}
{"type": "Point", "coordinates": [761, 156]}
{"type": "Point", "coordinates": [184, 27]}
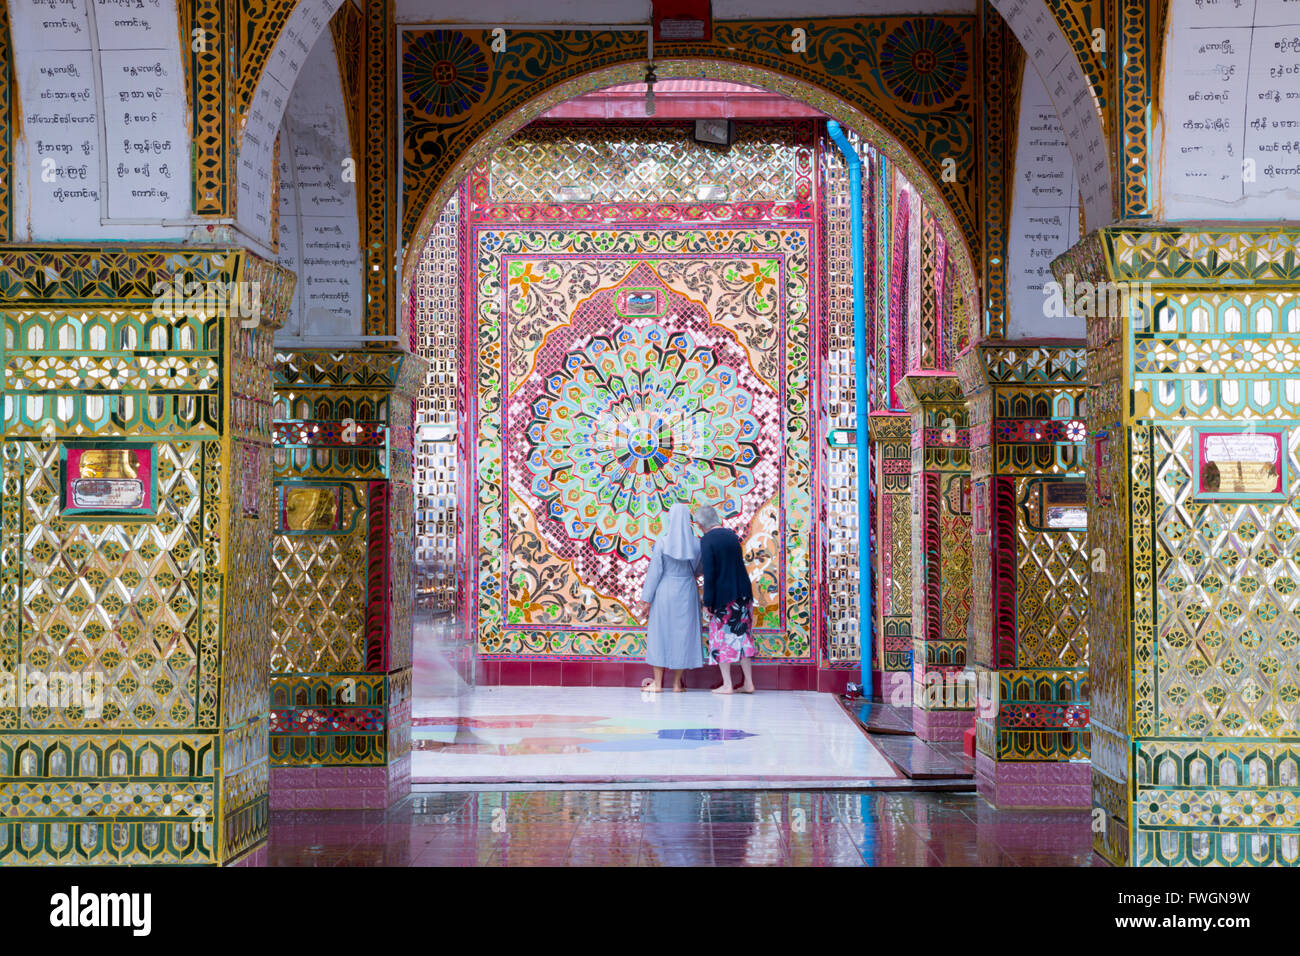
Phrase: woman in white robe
{"type": "Point", "coordinates": [674, 639]}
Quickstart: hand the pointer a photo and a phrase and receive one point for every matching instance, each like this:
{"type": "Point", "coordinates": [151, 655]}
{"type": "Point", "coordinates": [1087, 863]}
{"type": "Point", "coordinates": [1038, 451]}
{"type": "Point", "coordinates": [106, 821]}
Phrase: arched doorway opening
{"type": "Point", "coordinates": [850, 116]}
{"type": "Point", "coordinates": [567, 221]}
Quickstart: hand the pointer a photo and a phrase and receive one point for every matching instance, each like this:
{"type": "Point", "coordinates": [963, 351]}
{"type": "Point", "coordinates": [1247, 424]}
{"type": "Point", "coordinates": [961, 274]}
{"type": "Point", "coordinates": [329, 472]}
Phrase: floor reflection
{"type": "Point", "coordinates": [682, 828]}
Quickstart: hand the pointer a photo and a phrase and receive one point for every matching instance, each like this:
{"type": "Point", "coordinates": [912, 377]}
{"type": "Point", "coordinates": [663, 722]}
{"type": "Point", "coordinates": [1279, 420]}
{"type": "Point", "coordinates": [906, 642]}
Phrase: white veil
{"type": "Point", "coordinates": [679, 541]}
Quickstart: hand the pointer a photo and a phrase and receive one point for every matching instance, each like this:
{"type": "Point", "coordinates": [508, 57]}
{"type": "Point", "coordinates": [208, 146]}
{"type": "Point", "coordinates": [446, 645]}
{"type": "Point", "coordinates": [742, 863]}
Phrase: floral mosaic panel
{"type": "Point", "coordinates": [619, 372]}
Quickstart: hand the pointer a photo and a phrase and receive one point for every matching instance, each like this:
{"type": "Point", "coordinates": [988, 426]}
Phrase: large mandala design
{"type": "Point", "coordinates": [625, 415]}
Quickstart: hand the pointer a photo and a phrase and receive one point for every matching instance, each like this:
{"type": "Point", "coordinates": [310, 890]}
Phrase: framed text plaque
{"type": "Point", "coordinates": [309, 507]}
{"type": "Point", "coordinates": [1055, 504]}
{"type": "Point", "coordinates": [108, 479]}
{"type": "Point", "coordinates": [1239, 463]}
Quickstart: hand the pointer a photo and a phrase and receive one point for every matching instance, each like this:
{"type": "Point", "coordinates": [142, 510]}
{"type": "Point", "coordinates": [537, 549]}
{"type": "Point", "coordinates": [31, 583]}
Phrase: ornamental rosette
{"type": "Point", "coordinates": [638, 403]}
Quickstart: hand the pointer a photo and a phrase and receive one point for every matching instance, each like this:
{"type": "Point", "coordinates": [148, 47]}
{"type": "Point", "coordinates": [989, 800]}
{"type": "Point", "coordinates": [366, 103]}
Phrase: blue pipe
{"type": "Point", "coordinates": [866, 612]}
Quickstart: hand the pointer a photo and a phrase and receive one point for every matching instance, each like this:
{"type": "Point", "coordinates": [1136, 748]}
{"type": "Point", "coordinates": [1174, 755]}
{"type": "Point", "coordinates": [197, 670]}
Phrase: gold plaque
{"type": "Point", "coordinates": [311, 509]}
{"type": "Point", "coordinates": [108, 463]}
{"type": "Point", "coordinates": [105, 480]}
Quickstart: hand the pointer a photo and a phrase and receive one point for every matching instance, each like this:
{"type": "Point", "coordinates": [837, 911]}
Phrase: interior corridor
{"type": "Point", "coordinates": [355, 355]}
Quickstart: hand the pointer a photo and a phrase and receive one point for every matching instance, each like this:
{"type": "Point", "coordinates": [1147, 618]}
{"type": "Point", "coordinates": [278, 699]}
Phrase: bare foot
{"type": "Point", "coordinates": [677, 687]}
{"type": "Point", "coordinates": [748, 689]}
{"type": "Point", "coordinates": [648, 686]}
{"type": "Point", "coordinates": [723, 690]}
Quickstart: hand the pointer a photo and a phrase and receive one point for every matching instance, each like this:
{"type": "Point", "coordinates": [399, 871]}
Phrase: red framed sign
{"type": "Point", "coordinates": [108, 478]}
{"type": "Point", "coordinates": [1236, 463]}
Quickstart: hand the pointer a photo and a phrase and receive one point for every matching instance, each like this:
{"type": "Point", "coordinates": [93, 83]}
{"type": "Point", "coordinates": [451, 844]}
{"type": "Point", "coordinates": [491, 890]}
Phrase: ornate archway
{"type": "Point", "coordinates": [905, 85]}
{"type": "Point", "coordinates": [1060, 43]}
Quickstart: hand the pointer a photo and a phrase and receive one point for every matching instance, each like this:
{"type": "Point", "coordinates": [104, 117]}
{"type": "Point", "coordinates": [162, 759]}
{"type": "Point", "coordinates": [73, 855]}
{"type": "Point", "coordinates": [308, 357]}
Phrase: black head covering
{"type": "Point", "coordinates": [726, 579]}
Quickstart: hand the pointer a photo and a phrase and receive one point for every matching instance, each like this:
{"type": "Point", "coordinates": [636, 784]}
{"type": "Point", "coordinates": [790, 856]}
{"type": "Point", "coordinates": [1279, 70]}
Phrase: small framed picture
{"type": "Point", "coordinates": [108, 479]}
{"type": "Point", "coordinates": [1240, 462]}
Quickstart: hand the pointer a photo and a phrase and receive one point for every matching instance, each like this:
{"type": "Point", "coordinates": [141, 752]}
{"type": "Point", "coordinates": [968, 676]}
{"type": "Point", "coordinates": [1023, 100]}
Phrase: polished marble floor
{"type": "Point", "coordinates": [682, 828]}
{"type": "Point", "coordinates": [585, 736]}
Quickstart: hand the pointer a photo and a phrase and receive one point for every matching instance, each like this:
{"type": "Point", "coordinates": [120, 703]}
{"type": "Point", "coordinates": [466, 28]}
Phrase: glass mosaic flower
{"type": "Point", "coordinates": [445, 73]}
{"type": "Point", "coordinates": [1216, 357]}
{"type": "Point", "coordinates": [1279, 356]}
{"type": "Point", "coordinates": [923, 62]}
{"type": "Point", "coordinates": [631, 423]}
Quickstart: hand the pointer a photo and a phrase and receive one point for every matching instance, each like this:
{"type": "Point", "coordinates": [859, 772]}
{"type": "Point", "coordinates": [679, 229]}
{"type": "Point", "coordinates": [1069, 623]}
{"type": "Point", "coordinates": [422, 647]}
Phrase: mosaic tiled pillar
{"type": "Point", "coordinates": [1030, 571]}
{"type": "Point", "coordinates": [892, 436]}
{"type": "Point", "coordinates": [135, 560]}
{"type": "Point", "coordinates": [941, 553]}
{"type": "Point", "coordinates": [1194, 473]}
{"type": "Point", "coordinates": [344, 578]}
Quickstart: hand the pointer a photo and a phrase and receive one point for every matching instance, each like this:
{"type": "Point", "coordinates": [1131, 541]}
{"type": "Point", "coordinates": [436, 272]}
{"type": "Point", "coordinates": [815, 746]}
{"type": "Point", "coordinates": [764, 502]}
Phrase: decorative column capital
{"type": "Point", "coordinates": [918, 390]}
{"type": "Point", "coordinates": [995, 362]}
{"type": "Point", "coordinates": [1172, 255]}
{"type": "Point", "coordinates": [889, 426]}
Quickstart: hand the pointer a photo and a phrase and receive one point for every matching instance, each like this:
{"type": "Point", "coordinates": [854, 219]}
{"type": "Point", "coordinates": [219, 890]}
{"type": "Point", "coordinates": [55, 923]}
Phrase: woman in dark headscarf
{"type": "Point", "coordinates": [728, 600]}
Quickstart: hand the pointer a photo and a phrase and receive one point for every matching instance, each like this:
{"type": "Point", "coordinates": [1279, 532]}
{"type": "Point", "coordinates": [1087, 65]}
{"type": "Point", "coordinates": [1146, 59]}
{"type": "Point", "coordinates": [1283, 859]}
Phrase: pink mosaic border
{"type": "Point", "coordinates": [340, 788]}
{"type": "Point", "coordinates": [1033, 784]}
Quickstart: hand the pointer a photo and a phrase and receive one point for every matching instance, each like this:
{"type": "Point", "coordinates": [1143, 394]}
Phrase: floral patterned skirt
{"type": "Point", "coordinates": [731, 633]}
